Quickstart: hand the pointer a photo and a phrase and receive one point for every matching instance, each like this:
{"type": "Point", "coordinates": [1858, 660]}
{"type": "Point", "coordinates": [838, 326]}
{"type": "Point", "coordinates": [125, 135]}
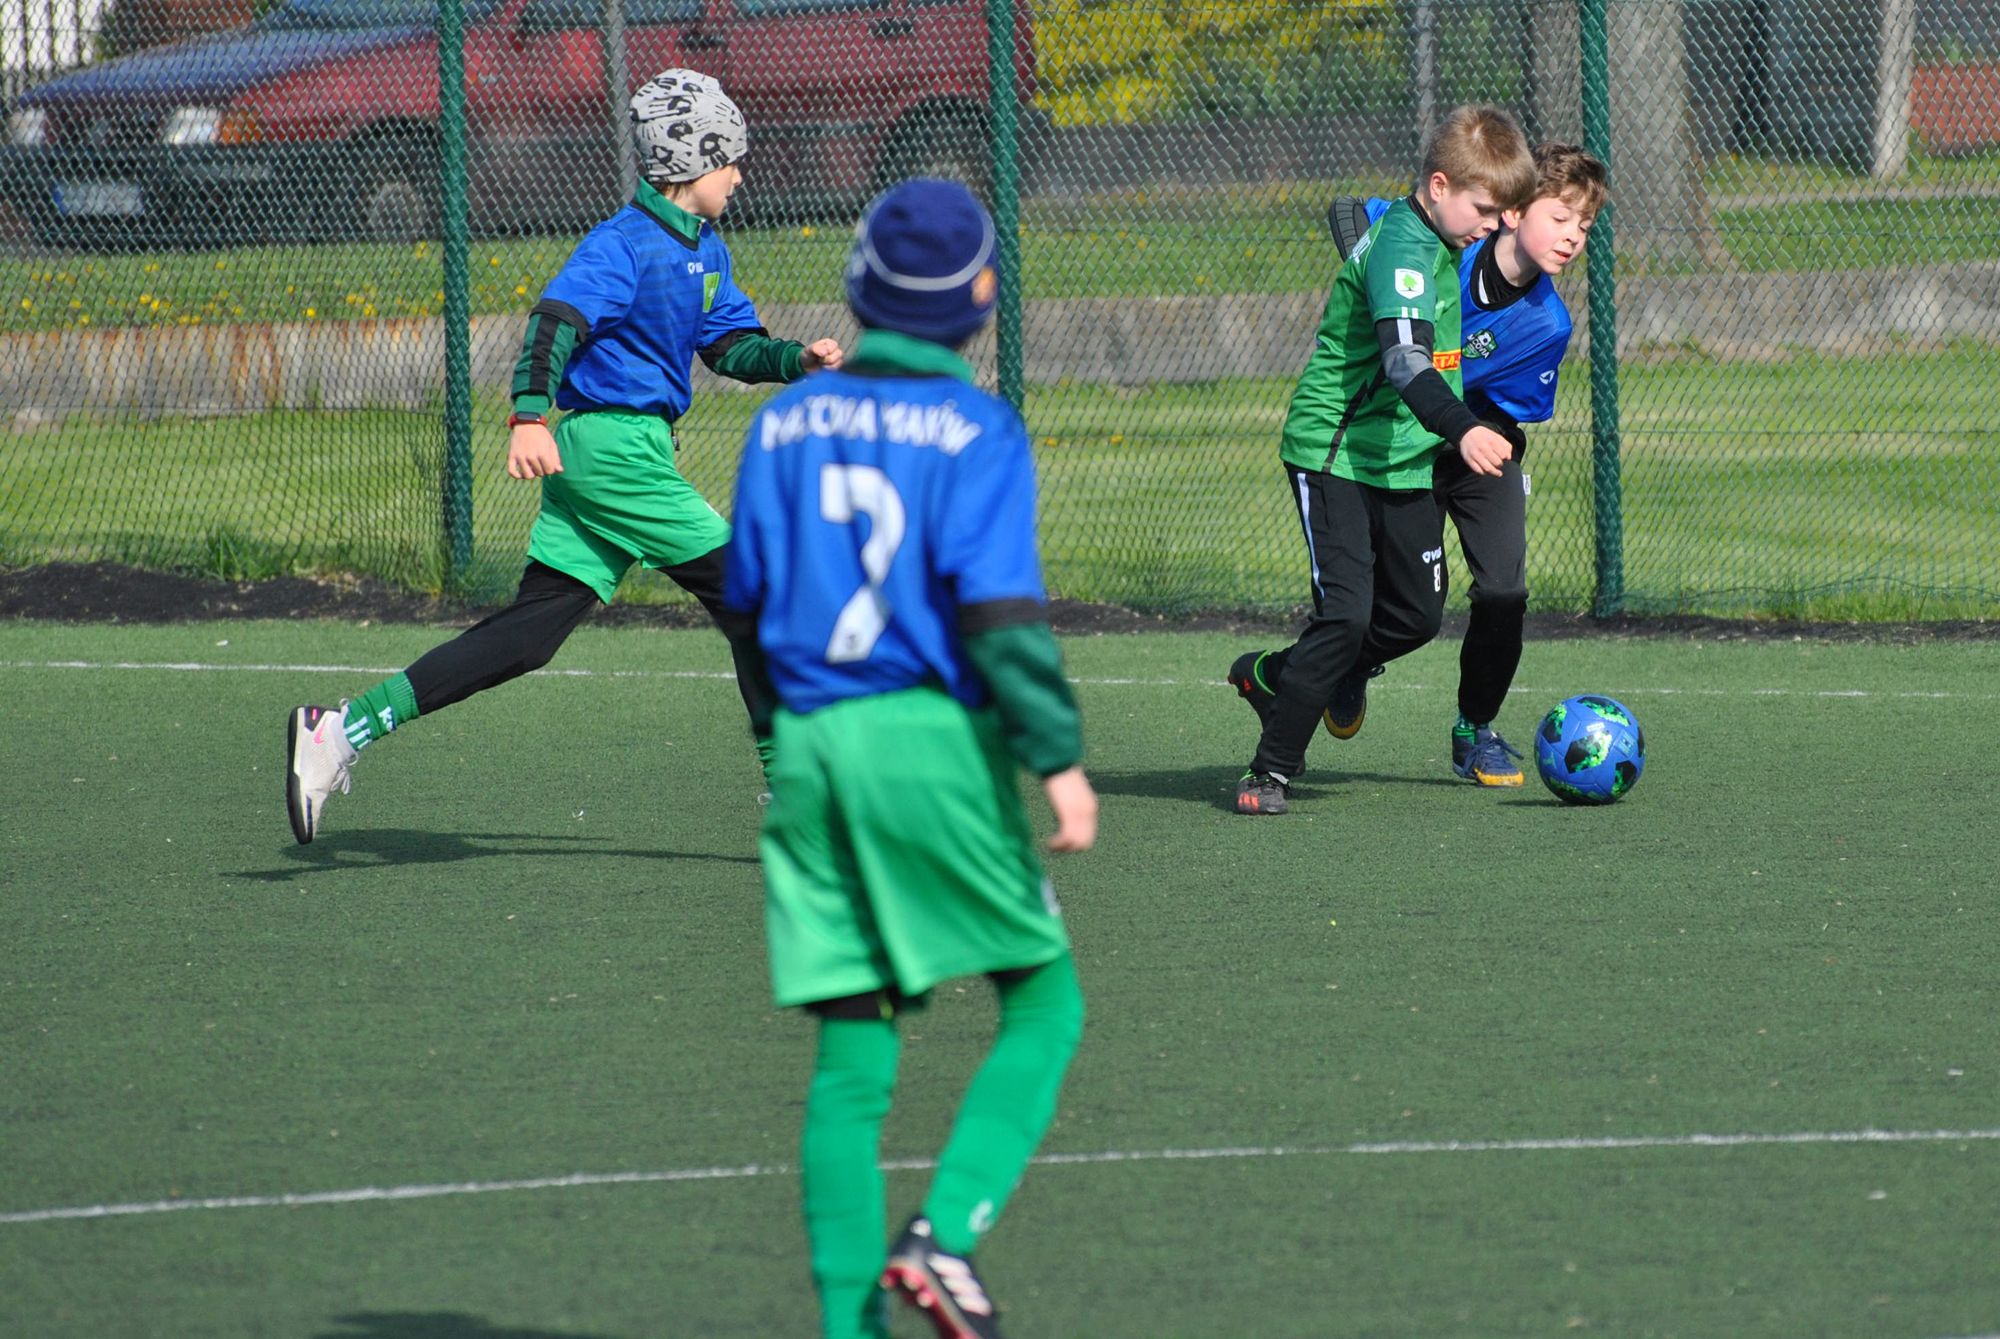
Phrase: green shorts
{"type": "Point", "coordinates": [897, 853]}
{"type": "Point", "coordinates": [618, 501]}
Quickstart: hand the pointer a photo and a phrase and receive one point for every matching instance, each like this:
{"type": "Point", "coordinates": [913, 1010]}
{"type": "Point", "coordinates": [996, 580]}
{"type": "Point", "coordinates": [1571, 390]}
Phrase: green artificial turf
{"type": "Point", "coordinates": [528, 945]}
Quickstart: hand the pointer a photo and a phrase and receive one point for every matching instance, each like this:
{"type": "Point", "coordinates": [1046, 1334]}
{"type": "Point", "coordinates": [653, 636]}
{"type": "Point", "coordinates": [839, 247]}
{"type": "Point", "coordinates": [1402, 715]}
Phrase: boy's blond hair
{"type": "Point", "coordinates": [1572, 173]}
{"type": "Point", "coordinates": [1483, 146]}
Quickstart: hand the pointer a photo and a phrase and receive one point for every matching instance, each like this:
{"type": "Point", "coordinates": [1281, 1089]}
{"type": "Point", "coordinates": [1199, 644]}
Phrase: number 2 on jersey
{"type": "Point", "coordinates": [845, 492]}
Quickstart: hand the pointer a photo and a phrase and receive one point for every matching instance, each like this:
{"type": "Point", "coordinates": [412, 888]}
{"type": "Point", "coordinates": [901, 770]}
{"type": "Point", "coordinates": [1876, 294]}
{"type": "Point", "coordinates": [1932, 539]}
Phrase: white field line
{"type": "Point", "coordinates": [203, 667]}
{"type": "Point", "coordinates": [365, 1194]}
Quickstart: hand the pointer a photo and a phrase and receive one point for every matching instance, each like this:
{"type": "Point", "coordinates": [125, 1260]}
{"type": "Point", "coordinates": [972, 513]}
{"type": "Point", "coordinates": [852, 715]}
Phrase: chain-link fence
{"type": "Point", "coordinates": [236, 284]}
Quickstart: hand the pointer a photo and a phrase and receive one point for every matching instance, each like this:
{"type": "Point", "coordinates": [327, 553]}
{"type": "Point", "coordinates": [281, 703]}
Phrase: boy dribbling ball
{"type": "Point", "coordinates": [1516, 332]}
{"type": "Point", "coordinates": [1380, 397]}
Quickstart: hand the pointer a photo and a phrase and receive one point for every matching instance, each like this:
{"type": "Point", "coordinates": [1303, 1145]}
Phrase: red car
{"type": "Point", "coordinates": [320, 120]}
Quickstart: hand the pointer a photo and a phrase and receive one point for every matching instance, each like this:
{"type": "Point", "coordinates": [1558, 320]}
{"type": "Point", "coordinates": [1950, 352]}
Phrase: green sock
{"type": "Point", "coordinates": [767, 752]}
{"type": "Point", "coordinates": [1009, 1105]}
{"type": "Point", "coordinates": [1465, 729]}
{"type": "Point", "coordinates": [846, 1218]}
{"type": "Point", "coordinates": [381, 709]}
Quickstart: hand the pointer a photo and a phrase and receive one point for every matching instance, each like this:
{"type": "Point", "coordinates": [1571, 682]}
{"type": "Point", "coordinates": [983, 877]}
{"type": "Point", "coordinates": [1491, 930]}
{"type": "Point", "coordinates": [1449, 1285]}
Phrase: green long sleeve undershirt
{"type": "Point", "coordinates": [1022, 666]}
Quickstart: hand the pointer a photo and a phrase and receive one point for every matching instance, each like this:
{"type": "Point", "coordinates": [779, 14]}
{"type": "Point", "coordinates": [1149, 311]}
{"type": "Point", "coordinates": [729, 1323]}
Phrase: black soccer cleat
{"type": "Point", "coordinates": [1263, 793]}
{"type": "Point", "coordinates": [1249, 684]}
{"type": "Point", "coordinates": [1349, 708]}
{"type": "Point", "coordinates": [943, 1286]}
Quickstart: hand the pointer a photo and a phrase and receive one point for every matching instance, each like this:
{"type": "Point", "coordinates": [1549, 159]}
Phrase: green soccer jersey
{"type": "Point", "coordinates": [1345, 416]}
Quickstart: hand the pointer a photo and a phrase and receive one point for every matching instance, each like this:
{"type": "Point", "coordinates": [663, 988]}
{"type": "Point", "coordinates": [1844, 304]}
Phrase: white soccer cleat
{"type": "Point", "coordinates": [320, 758]}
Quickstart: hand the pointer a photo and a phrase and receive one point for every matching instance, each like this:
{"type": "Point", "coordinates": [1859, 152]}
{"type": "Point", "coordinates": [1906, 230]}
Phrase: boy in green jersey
{"type": "Point", "coordinates": [1380, 397]}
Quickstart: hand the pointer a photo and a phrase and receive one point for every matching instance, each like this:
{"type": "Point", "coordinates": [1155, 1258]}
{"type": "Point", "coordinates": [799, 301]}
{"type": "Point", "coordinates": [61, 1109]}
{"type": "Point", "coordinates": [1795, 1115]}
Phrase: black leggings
{"type": "Point", "coordinates": [546, 610]}
{"type": "Point", "coordinates": [1377, 562]}
{"type": "Point", "coordinates": [1491, 517]}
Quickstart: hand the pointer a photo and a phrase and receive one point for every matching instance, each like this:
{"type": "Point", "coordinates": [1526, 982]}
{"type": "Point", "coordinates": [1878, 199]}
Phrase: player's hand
{"type": "Point", "coordinates": [1075, 806]}
{"type": "Point", "coordinates": [531, 452]}
{"type": "Point", "coordinates": [1485, 450]}
{"type": "Point", "coordinates": [824, 353]}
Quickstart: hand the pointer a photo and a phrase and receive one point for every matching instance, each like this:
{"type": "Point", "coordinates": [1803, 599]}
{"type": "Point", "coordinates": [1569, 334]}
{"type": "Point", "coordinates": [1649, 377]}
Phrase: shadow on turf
{"type": "Point", "coordinates": [435, 1325]}
{"type": "Point", "coordinates": [1216, 789]}
{"type": "Point", "coordinates": [370, 847]}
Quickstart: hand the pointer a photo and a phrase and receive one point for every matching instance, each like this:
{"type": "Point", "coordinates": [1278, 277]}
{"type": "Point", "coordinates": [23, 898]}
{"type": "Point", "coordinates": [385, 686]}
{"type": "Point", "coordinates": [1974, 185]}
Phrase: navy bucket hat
{"type": "Point", "coordinates": [922, 262]}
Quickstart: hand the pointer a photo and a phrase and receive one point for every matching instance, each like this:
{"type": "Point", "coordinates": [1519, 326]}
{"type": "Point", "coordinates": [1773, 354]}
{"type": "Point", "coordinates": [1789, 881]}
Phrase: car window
{"type": "Point", "coordinates": [351, 14]}
{"type": "Point", "coordinates": [763, 8]}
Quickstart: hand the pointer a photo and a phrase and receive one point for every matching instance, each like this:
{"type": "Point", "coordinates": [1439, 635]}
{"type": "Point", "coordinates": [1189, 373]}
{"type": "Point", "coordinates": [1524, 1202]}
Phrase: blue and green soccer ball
{"type": "Point", "coordinates": [1590, 750]}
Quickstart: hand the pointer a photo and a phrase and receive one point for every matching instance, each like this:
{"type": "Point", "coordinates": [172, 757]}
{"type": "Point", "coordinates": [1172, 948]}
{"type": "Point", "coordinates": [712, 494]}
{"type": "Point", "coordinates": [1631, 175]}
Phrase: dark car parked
{"type": "Point", "coordinates": [320, 120]}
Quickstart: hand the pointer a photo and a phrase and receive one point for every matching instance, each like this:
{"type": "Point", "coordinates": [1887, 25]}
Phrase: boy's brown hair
{"type": "Point", "coordinates": [1571, 173]}
{"type": "Point", "coordinates": [1483, 146]}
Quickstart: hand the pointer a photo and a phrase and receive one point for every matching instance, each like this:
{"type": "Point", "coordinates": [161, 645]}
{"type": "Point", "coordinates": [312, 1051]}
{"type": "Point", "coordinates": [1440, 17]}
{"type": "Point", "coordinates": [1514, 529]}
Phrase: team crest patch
{"type": "Point", "coordinates": [1409, 283]}
{"type": "Point", "coordinates": [710, 284]}
{"type": "Point", "coordinates": [1481, 345]}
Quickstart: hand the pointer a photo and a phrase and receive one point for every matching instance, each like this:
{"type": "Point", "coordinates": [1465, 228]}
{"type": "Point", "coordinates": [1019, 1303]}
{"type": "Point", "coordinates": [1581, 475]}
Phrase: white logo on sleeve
{"type": "Point", "coordinates": [1409, 283]}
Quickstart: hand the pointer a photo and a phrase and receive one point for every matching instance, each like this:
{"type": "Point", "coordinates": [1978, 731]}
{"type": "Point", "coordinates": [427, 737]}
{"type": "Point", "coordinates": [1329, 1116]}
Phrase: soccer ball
{"type": "Point", "coordinates": [1590, 750]}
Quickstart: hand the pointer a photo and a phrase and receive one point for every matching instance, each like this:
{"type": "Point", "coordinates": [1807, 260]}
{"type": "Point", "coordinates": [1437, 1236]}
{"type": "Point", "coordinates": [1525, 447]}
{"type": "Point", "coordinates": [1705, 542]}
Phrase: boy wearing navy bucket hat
{"type": "Point", "coordinates": [885, 544]}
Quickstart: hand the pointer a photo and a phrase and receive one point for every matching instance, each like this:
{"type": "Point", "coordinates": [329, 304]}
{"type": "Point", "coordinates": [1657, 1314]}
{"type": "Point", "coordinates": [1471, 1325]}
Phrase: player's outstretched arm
{"type": "Point", "coordinates": [822, 353]}
{"type": "Point", "coordinates": [1075, 806]}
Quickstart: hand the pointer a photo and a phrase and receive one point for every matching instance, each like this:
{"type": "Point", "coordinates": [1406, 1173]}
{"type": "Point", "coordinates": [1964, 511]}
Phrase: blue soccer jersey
{"type": "Point", "coordinates": [869, 510]}
{"type": "Point", "coordinates": [648, 296]}
{"type": "Point", "coordinates": [1511, 353]}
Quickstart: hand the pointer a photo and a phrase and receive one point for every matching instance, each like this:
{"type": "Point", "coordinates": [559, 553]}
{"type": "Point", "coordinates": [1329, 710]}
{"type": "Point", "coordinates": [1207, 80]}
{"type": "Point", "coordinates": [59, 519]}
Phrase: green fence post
{"type": "Point", "coordinates": [1601, 265]}
{"type": "Point", "coordinates": [457, 491]}
{"type": "Point", "coordinates": [1006, 194]}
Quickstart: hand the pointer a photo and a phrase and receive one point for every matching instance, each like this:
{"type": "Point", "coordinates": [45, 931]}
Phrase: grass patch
{"type": "Point", "coordinates": [517, 950]}
{"type": "Point", "coordinates": [1167, 497]}
{"type": "Point", "coordinates": [1257, 239]}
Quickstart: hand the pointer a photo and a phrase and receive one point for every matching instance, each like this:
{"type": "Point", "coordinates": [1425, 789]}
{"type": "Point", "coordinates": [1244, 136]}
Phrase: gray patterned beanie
{"type": "Point", "coordinates": [685, 126]}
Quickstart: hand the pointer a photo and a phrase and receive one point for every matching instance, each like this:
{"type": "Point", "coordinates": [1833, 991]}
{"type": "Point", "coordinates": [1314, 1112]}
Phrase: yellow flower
{"type": "Point", "coordinates": [311, 312]}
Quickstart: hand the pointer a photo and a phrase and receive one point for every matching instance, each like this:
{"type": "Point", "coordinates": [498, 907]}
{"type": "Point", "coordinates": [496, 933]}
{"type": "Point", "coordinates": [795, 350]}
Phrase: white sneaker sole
{"type": "Point", "coordinates": [304, 821]}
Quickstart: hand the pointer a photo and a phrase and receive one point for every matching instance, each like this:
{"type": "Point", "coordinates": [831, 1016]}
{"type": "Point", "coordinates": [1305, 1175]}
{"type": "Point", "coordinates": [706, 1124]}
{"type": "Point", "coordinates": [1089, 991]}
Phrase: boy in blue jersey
{"type": "Point", "coordinates": [611, 344]}
{"type": "Point", "coordinates": [1515, 333]}
{"type": "Point", "coordinates": [885, 544]}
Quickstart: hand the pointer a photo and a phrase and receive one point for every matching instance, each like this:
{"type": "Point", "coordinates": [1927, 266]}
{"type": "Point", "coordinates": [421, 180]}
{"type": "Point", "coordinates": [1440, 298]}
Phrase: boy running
{"type": "Point", "coordinates": [1516, 333]}
{"type": "Point", "coordinates": [1379, 398]}
{"type": "Point", "coordinates": [611, 343]}
{"type": "Point", "coordinates": [885, 543]}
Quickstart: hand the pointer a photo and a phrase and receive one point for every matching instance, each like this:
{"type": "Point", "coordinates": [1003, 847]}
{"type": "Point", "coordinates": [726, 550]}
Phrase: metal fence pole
{"type": "Point", "coordinates": [1006, 149]}
{"type": "Point", "coordinates": [617, 86]}
{"type": "Point", "coordinates": [1601, 266]}
{"type": "Point", "coordinates": [457, 492]}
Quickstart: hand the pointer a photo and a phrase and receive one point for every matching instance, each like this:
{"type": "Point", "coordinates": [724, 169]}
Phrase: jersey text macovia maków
{"type": "Point", "coordinates": [869, 510]}
{"type": "Point", "coordinates": [1345, 418]}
